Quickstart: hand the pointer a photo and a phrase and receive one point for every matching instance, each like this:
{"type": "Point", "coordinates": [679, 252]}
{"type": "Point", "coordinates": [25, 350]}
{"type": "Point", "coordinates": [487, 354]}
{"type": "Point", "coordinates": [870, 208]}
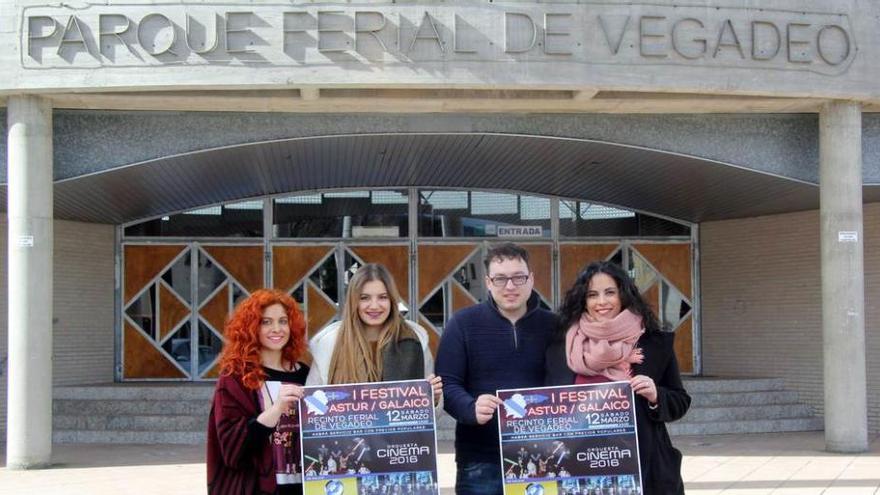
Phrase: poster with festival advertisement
{"type": "Point", "coordinates": [369, 439]}
{"type": "Point", "coordinates": [570, 440]}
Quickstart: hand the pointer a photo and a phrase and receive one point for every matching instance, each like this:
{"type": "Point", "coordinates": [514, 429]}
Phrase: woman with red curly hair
{"type": "Point", "coordinates": [253, 426]}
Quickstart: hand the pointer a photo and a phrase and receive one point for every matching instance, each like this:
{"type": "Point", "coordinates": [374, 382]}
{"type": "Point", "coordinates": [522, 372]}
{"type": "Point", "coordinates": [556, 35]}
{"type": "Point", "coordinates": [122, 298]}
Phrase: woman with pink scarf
{"type": "Point", "coordinates": [607, 332]}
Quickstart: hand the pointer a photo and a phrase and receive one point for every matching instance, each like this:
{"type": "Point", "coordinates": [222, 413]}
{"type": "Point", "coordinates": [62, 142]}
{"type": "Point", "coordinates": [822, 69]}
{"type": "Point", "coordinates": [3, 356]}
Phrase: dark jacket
{"type": "Point", "coordinates": [481, 352]}
{"type": "Point", "coordinates": [403, 360]}
{"type": "Point", "coordinates": [660, 461]}
{"type": "Point", "coordinates": [238, 462]}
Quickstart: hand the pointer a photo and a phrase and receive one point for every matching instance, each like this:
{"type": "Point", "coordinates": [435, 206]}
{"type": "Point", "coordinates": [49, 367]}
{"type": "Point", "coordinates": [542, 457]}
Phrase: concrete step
{"type": "Point", "coordinates": [97, 407]}
{"type": "Point", "coordinates": [131, 423]}
{"type": "Point", "coordinates": [745, 426]}
{"type": "Point", "coordinates": [722, 399]}
{"type": "Point", "coordinates": [730, 385]}
{"type": "Point", "coordinates": [444, 420]}
{"type": "Point", "coordinates": [164, 391]}
{"type": "Point", "coordinates": [147, 413]}
{"type": "Point", "coordinates": [129, 437]}
{"type": "Point", "coordinates": [445, 434]}
{"type": "Point", "coordinates": [737, 413]}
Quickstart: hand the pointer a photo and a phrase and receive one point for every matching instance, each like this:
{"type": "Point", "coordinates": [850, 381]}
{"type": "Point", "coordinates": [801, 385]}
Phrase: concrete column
{"type": "Point", "coordinates": [843, 277]}
{"type": "Point", "coordinates": [29, 420]}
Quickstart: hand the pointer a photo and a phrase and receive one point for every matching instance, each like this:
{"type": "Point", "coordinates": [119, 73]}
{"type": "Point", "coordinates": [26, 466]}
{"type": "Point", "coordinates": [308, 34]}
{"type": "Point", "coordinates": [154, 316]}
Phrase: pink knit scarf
{"type": "Point", "coordinates": [604, 348]}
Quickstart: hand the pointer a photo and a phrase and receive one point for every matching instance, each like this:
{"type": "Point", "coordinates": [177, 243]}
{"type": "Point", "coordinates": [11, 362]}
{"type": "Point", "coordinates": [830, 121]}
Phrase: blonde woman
{"type": "Point", "coordinates": [372, 342]}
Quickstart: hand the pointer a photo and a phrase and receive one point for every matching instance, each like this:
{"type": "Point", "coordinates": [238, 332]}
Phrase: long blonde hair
{"type": "Point", "coordinates": [354, 360]}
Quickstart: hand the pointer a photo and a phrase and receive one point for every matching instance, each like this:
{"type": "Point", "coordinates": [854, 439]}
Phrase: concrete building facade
{"type": "Point", "coordinates": [733, 149]}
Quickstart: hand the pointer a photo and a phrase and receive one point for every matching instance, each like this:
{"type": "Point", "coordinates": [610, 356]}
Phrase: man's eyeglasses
{"type": "Point", "coordinates": [501, 281]}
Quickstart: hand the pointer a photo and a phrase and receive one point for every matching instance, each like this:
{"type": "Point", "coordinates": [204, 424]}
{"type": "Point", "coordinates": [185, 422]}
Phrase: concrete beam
{"type": "Point", "coordinates": [29, 420]}
{"type": "Point", "coordinates": [427, 101]}
{"type": "Point", "coordinates": [310, 94]}
{"type": "Point", "coordinates": [585, 94]}
{"type": "Point", "coordinates": [843, 277]}
{"type": "Point", "coordinates": [806, 48]}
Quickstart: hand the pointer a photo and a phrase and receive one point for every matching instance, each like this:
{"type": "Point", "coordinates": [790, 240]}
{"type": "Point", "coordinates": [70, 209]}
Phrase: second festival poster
{"type": "Point", "coordinates": [369, 439]}
{"type": "Point", "coordinates": [571, 440]}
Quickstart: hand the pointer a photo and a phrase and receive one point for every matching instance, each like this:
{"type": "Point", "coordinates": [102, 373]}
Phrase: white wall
{"type": "Point", "coordinates": [83, 310]}
{"type": "Point", "coordinates": [761, 298]}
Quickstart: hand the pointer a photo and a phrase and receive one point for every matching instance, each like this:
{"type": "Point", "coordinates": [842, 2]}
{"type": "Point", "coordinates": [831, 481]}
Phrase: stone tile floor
{"type": "Point", "coordinates": [778, 463]}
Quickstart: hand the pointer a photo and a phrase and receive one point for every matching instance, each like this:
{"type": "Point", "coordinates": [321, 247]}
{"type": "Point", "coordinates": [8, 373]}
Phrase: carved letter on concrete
{"type": "Point", "coordinates": [433, 35]}
{"type": "Point", "coordinates": [191, 27]}
{"type": "Point", "coordinates": [162, 24]}
{"type": "Point", "coordinates": [36, 24]}
{"type": "Point", "coordinates": [555, 32]}
{"type": "Point", "coordinates": [233, 33]}
{"type": "Point", "coordinates": [826, 47]}
{"type": "Point", "coordinates": [510, 33]}
{"type": "Point", "coordinates": [646, 34]}
{"type": "Point", "coordinates": [700, 42]}
{"type": "Point", "coordinates": [793, 32]}
{"type": "Point", "coordinates": [727, 27]}
{"type": "Point", "coordinates": [758, 51]}
{"type": "Point", "coordinates": [373, 31]}
{"type": "Point", "coordinates": [105, 21]}
{"type": "Point", "coordinates": [613, 45]}
{"type": "Point", "coordinates": [73, 35]}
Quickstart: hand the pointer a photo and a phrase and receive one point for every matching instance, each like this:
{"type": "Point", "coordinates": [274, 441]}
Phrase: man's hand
{"type": "Point", "coordinates": [485, 408]}
{"type": "Point", "coordinates": [436, 386]}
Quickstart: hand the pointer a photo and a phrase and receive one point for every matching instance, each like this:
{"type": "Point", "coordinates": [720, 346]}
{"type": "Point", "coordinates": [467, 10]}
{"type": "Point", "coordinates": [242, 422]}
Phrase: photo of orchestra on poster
{"type": "Point", "coordinates": [380, 439]}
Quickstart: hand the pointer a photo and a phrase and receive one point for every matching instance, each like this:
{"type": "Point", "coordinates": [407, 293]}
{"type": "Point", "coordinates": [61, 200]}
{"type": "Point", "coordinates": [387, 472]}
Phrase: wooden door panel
{"type": "Point", "coordinates": [438, 261]}
{"type": "Point", "coordinates": [394, 258]}
{"type": "Point", "coordinates": [244, 263]}
{"type": "Point", "coordinates": [673, 261]}
{"type": "Point", "coordinates": [172, 311]}
{"type": "Point", "coordinates": [319, 309]}
{"type": "Point", "coordinates": [574, 257]}
{"type": "Point", "coordinates": [684, 345]}
{"type": "Point", "coordinates": [291, 263]}
{"type": "Point", "coordinates": [541, 263]}
{"type": "Point", "coordinates": [143, 360]}
{"type": "Point", "coordinates": [216, 310]}
{"type": "Point", "coordinates": [143, 264]}
{"type": "Point", "coordinates": [461, 298]}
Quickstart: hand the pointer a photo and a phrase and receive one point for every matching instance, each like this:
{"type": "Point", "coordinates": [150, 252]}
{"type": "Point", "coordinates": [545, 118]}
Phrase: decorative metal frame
{"type": "Point", "coordinates": [413, 240]}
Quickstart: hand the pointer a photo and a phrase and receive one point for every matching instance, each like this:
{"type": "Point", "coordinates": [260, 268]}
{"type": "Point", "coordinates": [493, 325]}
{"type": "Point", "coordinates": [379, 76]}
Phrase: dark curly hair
{"type": "Point", "coordinates": [575, 302]}
{"type": "Point", "coordinates": [505, 250]}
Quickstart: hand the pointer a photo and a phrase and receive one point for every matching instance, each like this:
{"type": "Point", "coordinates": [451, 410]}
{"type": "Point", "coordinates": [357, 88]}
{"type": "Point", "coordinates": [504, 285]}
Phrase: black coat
{"type": "Point", "coordinates": [660, 461]}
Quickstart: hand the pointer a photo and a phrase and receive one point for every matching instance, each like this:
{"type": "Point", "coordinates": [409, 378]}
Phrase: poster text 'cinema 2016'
{"type": "Point", "coordinates": [369, 439]}
{"type": "Point", "coordinates": [569, 440]}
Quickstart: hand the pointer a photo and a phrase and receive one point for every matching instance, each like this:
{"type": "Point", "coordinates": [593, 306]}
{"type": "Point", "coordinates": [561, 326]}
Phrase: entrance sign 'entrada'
{"type": "Point", "coordinates": [283, 34]}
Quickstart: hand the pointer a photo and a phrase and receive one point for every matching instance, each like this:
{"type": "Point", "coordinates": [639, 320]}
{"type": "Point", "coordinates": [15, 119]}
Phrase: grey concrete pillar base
{"type": "Point", "coordinates": [844, 447]}
{"type": "Point", "coordinates": [21, 465]}
{"type": "Point", "coordinates": [843, 277]}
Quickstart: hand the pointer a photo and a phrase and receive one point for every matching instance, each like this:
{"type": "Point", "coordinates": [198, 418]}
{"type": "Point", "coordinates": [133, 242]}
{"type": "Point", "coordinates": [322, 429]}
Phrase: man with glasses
{"type": "Point", "coordinates": [498, 344]}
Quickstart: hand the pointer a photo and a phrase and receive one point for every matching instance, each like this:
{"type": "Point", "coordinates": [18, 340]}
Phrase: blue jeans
{"type": "Point", "coordinates": [478, 478]}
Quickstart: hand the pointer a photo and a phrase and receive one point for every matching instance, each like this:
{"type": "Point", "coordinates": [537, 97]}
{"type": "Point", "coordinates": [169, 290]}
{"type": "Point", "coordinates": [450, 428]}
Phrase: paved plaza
{"type": "Point", "coordinates": [779, 463]}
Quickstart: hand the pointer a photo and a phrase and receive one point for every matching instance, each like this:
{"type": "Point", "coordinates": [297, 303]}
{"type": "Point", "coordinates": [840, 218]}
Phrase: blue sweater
{"type": "Point", "coordinates": [482, 352]}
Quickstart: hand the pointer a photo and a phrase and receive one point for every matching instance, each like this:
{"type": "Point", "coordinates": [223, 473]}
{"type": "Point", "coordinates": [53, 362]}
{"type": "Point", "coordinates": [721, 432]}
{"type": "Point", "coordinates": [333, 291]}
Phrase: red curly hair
{"type": "Point", "coordinates": [241, 351]}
